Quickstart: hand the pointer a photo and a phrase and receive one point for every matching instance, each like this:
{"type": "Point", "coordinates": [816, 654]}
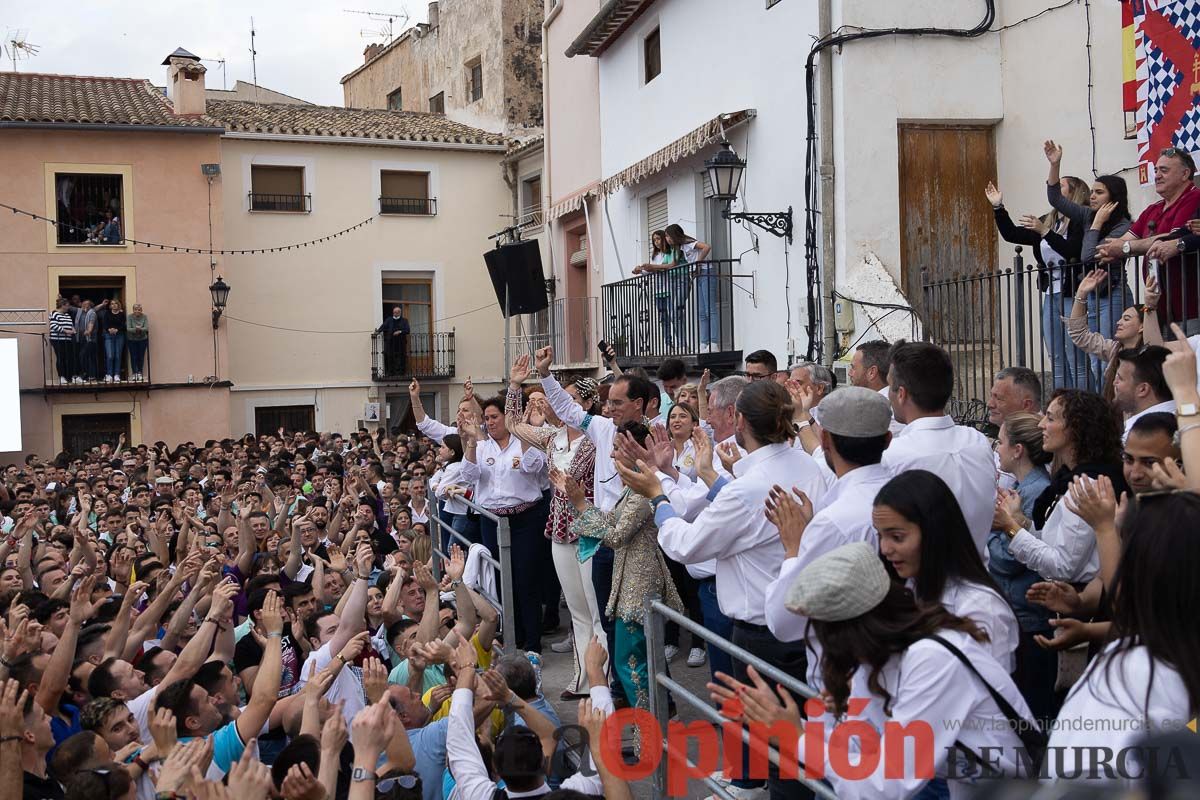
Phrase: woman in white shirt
{"type": "Point", "coordinates": [657, 270]}
{"type": "Point", "coordinates": [925, 541]}
{"type": "Point", "coordinates": [921, 668]}
{"type": "Point", "coordinates": [686, 250]}
{"type": "Point", "coordinates": [448, 486]}
{"type": "Point", "coordinates": [1147, 680]}
{"type": "Point", "coordinates": [682, 420]}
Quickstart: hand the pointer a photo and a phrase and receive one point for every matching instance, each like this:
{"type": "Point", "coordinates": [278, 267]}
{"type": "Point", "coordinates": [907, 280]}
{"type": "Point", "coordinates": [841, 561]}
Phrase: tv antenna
{"type": "Point", "coordinates": [221, 62]}
{"type": "Point", "coordinates": [253, 61]}
{"type": "Point", "coordinates": [386, 31]}
{"type": "Point", "coordinates": [17, 48]}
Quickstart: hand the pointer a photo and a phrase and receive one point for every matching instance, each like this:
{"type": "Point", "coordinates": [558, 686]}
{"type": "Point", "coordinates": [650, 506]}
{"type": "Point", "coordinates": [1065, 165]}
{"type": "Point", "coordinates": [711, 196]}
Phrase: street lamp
{"type": "Point", "coordinates": [725, 175]}
{"type": "Point", "coordinates": [220, 296]}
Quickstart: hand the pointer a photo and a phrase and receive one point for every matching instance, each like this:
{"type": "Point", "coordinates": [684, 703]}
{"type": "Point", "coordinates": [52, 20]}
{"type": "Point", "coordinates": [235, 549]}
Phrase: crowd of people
{"type": "Point", "coordinates": [261, 615]}
{"type": "Point", "coordinates": [89, 337]}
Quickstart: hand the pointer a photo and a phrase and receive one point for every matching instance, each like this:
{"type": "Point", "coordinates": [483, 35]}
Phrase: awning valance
{"type": "Point", "coordinates": [572, 202]}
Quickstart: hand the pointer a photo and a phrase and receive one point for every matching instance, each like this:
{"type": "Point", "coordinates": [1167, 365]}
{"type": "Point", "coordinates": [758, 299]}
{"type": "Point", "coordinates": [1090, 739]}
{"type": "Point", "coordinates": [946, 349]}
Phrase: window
{"type": "Point", "coordinates": [269, 419]}
{"type": "Point", "coordinates": [405, 193]}
{"type": "Point", "coordinates": [656, 215]}
{"type": "Point", "coordinates": [474, 79]}
{"type": "Point", "coordinates": [415, 298]}
{"type": "Point", "coordinates": [278, 189]}
{"type": "Point", "coordinates": [437, 103]}
{"type": "Point", "coordinates": [82, 432]}
{"type": "Point", "coordinates": [394, 101]}
{"type": "Point", "coordinates": [652, 52]}
{"type": "Point", "coordinates": [531, 201]}
{"type": "Point", "coordinates": [92, 206]}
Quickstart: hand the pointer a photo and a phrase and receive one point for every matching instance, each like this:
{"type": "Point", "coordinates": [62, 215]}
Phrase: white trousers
{"type": "Point", "coordinates": [576, 581]}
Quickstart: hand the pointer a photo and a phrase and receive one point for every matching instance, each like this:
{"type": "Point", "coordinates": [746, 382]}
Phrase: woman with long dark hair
{"type": "Point", "coordinates": [919, 666]}
{"type": "Point", "coordinates": [1137, 326]}
{"type": "Point", "coordinates": [686, 250]}
{"type": "Point", "coordinates": [449, 487]}
{"type": "Point", "coordinates": [659, 271]}
{"type": "Point", "coordinates": [1148, 676]}
{"type": "Point", "coordinates": [1084, 434]}
{"type": "Point", "coordinates": [925, 541]}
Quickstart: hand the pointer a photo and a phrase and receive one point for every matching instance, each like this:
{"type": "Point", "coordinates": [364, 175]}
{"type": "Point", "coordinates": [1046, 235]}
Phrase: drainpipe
{"type": "Point", "coordinates": [828, 240]}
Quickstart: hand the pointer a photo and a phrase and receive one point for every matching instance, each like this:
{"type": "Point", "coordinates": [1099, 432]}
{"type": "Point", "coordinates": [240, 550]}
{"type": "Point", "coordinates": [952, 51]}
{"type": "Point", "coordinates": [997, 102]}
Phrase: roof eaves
{"type": "Point", "coordinates": [612, 20]}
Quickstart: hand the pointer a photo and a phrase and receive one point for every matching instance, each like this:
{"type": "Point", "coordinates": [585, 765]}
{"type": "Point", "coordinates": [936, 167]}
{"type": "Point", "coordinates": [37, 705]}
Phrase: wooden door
{"type": "Point", "coordinates": [946, 225]}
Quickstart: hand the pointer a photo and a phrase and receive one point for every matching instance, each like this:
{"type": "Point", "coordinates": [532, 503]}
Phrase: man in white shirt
{"type": "Point", "coordinates": [1139, 387]}
{"type": "Point", "coordinates": [734, 529]}
{"type": "Point", "coordinates": [869, 369]}
{"type": "Point", "coordinates": [920, 381]}
{"type": "Point", "coordinates": [854, 436]}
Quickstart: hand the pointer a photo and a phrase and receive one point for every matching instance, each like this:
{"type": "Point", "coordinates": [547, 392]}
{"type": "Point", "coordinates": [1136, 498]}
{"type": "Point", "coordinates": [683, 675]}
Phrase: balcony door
{"type": "Point", "coordinates": [415, 298]}
{"type": "Point", "coordinates": [82, 432]}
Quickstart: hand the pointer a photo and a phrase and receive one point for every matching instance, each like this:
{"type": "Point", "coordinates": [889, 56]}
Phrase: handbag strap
{"type": "Point", "coordinates": [1030, 735]}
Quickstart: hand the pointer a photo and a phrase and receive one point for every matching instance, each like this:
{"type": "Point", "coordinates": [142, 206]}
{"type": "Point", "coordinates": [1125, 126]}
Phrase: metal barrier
{"type": "Point", "coordinates": [657, 615]}
{"type": "Point", "coordinates": [504, 566]}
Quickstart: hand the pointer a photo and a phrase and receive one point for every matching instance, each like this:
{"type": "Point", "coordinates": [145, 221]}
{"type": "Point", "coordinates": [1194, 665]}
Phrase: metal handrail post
{"type": "Point", "coordinates": [655, 637]}
{"type": "Point", "coordinates": [1019, 268]}
{"type": "Point", "coordinates": [504, 538]}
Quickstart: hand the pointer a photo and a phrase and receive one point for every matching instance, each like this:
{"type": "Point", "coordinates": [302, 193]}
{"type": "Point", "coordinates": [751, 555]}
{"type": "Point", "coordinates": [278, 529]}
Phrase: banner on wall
{"type": "Point", "coordinates": [1165, 77]}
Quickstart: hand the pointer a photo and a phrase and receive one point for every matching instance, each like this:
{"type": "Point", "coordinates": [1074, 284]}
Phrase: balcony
{"type": "Point", "coordinates": [67, 368]}
{"type": "Point", "coordinates": [416, 355]}
{"type": "Point", "coordinates": [572, 326]}
{"type": "Point", "coordinates": [295, 203]}
{"type": "Point", "coordinates": [688, 315]}
{"type": "Point", "coordinates": [412, 206]}
{"type": "Point", "coordinates": [531, 218]}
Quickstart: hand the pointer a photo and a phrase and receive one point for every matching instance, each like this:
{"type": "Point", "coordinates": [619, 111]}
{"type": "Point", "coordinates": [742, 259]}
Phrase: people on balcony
{"type": "Point", "coordinates": [112, 328]}
{"type": "Point", "coordinates": [1138, 325]}
{"type": "Point", "coordinates": [87, 333]}
{"type": "Point", "coordinates": [62, 340]}
{"type": "Point", "coordinates": [1055, 240]}
{"type": "Point", "coordinates": [1174, 173]}
{"type": "Point", "coordinates": [670, 289]}
{"type": "Point", "coordinates": [137, 333]}
{"type": "Point", "coordinates": [395, 330]}
{"type": "Point", "coordinates": [687, 250]}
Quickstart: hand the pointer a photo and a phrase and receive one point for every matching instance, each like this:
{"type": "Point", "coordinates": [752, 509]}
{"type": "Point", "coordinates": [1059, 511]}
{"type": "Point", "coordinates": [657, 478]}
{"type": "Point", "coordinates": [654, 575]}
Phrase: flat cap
{"type": "Point", "coordinates": [842, 584]}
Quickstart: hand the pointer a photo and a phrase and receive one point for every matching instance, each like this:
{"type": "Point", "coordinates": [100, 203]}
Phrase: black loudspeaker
{"type": "Point", "coordinates": [517, 269]}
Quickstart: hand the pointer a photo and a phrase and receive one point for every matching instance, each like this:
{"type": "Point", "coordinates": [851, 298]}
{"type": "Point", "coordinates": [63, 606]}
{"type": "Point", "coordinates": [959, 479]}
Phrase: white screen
{"type": "Point", "coordinates": [10, 397]}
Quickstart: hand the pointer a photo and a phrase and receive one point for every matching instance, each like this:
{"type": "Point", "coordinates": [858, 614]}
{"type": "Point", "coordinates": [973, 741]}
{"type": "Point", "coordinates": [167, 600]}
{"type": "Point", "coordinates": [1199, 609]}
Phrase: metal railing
{"type": "Point", "coordinates": [63, 362]}
{"type": "Point", "coordinates": [991, 321]}
{"type": "Point", "coordinates": [264, 201]}
{"type": "Point", "coordinates": [503, 567]}
{"type": "Point", "coordinates": [572, 326]}
{"type": "Point", "coordinates": [415, 355]}
{"type": "Point", "coordinates": [415, 206]}
{"type": "Point", "coordinates": [531, 217]}
{"type": "Point", "coordinates": [657, 615]}
{"type": "Point", "coordinates": [682, 312]}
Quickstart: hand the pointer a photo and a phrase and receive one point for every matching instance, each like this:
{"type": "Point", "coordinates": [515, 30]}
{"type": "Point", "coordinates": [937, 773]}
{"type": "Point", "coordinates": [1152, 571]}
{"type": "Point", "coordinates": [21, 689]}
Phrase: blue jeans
{"type": "Point", "coordinates": [87, 359]}
{"type": "Point", "coordinates": [114, 354]}
{"type": "Point", "coordinates": [137, 354]}
{"type": "Point", "coordinates": [706, 301]}
{"type": "Point", "coordinates": [1068, 364]}
{"type": "Point", "coordinates": [718, 623]}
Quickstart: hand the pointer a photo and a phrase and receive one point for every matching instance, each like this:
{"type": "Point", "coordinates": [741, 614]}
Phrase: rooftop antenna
{"type": "Point", "coordinates": [386, 31]}
{"type": "Point", "coordinates": [253, 62]}
{"type": "Point", "coordinates": [17, 48]}
{"type": "Point", "coordinates": [220, 61]}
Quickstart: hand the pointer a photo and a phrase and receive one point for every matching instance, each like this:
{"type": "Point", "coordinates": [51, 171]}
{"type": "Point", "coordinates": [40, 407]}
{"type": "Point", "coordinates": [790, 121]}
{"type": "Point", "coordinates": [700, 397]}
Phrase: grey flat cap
{"type": "Point", "coordinates": [842, 584]}
{"type": "Point", "coordinates": [854, 411]}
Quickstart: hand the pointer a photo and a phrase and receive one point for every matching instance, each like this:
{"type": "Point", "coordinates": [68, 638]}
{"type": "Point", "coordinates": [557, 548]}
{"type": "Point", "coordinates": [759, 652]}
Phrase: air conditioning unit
{"type": "Point", "coordinates": [841, 371]}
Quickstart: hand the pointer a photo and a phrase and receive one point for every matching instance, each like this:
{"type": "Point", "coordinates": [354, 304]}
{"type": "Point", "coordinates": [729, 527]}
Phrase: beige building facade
{"type": "Point", "coordinates": [476, 61]}
{"type": "Point", "coordinates": [301, 321]}
{"type": "Point", "coordinates": [71, 149]}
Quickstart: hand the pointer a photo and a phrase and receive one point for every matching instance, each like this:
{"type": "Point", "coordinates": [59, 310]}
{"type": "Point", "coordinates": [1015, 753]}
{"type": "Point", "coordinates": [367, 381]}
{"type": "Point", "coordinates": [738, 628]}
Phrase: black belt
{"type": "Point", "coordinates": [750, 626]}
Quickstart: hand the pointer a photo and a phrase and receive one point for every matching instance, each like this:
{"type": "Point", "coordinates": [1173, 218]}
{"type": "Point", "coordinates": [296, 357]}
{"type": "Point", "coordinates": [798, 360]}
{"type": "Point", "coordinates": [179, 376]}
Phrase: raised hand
{"type": "Point", "coordinates": [1102, 214]}
{"type": "Point", "coordinates": [519, 372]}
{"type": "Point", "coordinates": [374, 680]}
{"type": "Point", "coordinates": [364, 561]}
{"type": "Point", "coordinates": [249, 778]}
{"type": "Point", "coordinates": [272, 613]}
{"type": "Point", "coordinates": [993, 195]}
{"type": "Point", "coordinates": [373, 728]}
{"type": "Point", "coordinates": [334, 734]}
{"type": "Point", "coordinates": [355, 647]}
{"type": "Point", "coordinates": [1167, 476]}
{"type": "Point", "coordinates": [543, 358]}
{"type": "Point", "coordinates": [424, 576]}
{"type": "Point", "coordinates": [730, 454]}
{"type": "Point", "coordinates": [1053, 151]}
{"type": "Point", "coordinates": [12, 709]}
{"type": "Point", "coordinates": [301, 784]}
{"type": "Point", "coordinates": [464, 656]}
{"type": "Point", "coordinates": [438, 696]}
{"type": "Point", "coordinates": [497, 688]}
{"type": "Point", "coordinates": [641, 480]}
{"type": "Point", "coordinates": [1091, 280]}
{"type": "Point", "coordinates": [1153, 292]}
{"type": "Point", "coordinates": [790, 515]}
{"type": "Point", "coordinates": [164, 731]}
{"type": "Point", "coordinates": [1057, 596]}
{"type": "Point", "coordinates": [1093, 499]}
{"type": "Point", "coordinates": [1034, 224]}
{"type": "Point", "coordinates": [457, 564]}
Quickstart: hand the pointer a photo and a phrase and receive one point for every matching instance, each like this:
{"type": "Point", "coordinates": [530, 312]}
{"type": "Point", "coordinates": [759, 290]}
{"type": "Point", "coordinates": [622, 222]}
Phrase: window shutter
{"type": "Point", "coordinates": [656, 214]}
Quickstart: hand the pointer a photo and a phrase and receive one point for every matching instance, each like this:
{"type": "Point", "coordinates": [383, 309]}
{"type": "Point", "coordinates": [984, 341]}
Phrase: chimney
{"type": "Point", "coordinates": [432, 19]}
{"type": "Point", "coordinates": [371, 51]}
{"type": "Point", "coordinates": [185, 82]}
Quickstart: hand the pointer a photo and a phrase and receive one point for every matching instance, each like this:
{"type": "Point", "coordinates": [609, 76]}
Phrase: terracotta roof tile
{"type": "Point", "coordinates": [87, 100]}
{"type": "Point", "coordinates": [334, 121]}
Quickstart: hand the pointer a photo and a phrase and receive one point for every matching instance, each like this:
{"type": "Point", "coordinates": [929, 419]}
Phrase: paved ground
{"type": "Point", "coordinates": [556, 671]}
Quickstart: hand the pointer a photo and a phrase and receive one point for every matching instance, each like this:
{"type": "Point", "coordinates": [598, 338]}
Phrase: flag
{"type": "Point", "coordinates": [1167, 37]}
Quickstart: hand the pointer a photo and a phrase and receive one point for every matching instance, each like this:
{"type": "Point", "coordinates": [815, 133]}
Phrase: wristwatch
{"type": "Point", "coordinates": [656, 501]}
{"type": "Point", "coordinates": [1187, 410]}
{"type": "Point", "coordinates": [1182, 244]}
{"type": "Point", "coordinates": [456, 583]}
{"type": "Point", "coordinates": [1125, 247]}
{"type": "Point", "coordinates": [361, 774]}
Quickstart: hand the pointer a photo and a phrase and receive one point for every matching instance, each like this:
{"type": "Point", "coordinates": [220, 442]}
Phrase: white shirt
{"type": "Point", "coordinates": [442, 480]}
{"type": "Point", "coordinates": [844, 516]}
{"type": "Point", "coordinates": [346, 686]}
{"type": "Point", "coordinates": [685, 461]}
{"type": "Point", "coordinates": [1167, 406]}
{"type": "Point", "coordinates": [929, 685]}
{"type": "Point", "coordinates": [435, 430]}
{"type": "Point", "coordinates": [142, 708]}
{"type": "Point", "coordinates": [505, 477]}
{"type": "Point", "coordinates": [960, 456]}
{"type": "Point", "coordinates": [989, 611]}
{"type": "Point", "coordinates": [689, 496]}
{"type": "Point", "coordinates": [419, 516]}
{"type": "Point", "coordinates": [1107, 707]}
{"type": "Point", "coordinates": [606, 486]}
{"type": "Point", "coordinates": [735, 531]}
{"type": "Point", "coordinates": [1063, 550]}
{"type": "Point", "coordinates": [563, 449]}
